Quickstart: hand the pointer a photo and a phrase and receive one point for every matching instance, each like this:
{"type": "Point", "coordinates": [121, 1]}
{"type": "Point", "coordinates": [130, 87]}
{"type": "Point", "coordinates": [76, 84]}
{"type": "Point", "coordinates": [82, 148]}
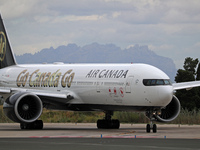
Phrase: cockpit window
{"type": "Point", "coordinates": [154, 82]}
{"type": "Point", "coordinates": [159, 82]}
{"type": "Point", "coordinates": [167, 82]}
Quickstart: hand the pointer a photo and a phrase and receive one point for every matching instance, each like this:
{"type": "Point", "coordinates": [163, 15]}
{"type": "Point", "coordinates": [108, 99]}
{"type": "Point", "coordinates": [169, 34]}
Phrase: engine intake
{"type": "Point", "coordinates": [170, 112]}
{"type": "Point", "coordinates": [23, 107]}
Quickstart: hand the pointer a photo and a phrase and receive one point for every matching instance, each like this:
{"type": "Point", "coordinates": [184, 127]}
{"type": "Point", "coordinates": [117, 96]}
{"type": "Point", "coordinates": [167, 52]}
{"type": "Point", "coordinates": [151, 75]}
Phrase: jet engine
{"type": "Point", "coordinates": [170, 112]}
{"type": "Point", "coordinates": [23, 107]}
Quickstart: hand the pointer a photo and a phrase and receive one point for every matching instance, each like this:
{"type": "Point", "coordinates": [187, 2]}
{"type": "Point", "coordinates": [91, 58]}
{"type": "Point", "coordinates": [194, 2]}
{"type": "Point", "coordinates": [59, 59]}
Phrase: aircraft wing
{"type": "Point", "coordinates": [66, 95]}
{"type": "Point", "coordinates": [186, 85]}
{"type": "Point", "coordinates": [4, 91]}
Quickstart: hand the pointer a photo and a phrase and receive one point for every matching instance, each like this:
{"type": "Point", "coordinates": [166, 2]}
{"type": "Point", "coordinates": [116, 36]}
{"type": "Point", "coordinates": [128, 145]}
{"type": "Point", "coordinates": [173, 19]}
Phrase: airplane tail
{"type": "Point", "coordinates": [6, 54]}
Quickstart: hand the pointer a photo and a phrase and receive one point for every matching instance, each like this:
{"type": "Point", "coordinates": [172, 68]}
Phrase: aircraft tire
{"type": "Point", "coordinates": [115, 124]}
{"type": "Point", "coordinates": [108, 124]}
{"type": "Point", "coordinates": [154, 128]}
{"type": "Point", "coordinates": [148, 128]}
{"type": "Point", "coordinates": [38, 124]}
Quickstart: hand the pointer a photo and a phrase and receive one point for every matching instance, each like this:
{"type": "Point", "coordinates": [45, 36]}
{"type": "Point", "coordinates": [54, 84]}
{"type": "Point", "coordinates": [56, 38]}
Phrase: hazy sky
{"type": "Point", "coordinates": [170, 28]}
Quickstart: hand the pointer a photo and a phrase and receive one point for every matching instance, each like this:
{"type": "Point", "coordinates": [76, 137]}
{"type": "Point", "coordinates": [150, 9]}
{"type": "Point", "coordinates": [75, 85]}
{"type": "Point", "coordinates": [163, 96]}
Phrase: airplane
{"type": "Point", "coordinates": [27, 89]}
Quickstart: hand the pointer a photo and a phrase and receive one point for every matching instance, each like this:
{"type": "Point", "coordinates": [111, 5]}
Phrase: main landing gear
{"type": "Point", "coordinates": [108, 123]}
{"type": "Point", "coordinates": [38, 124]}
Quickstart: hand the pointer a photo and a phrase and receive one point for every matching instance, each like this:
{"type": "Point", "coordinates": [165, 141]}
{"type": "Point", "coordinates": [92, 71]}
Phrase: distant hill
{"type": "Point", "coordinates": [97, 53]}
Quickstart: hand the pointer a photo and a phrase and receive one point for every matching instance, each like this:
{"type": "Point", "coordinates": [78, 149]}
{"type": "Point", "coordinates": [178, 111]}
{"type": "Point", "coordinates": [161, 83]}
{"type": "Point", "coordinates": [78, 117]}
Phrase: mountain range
{"type": "Point", "coordinates": [99, 53]}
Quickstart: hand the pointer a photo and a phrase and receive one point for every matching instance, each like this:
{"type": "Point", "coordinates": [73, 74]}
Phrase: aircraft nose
{"type": "Point", "coordinates": [165, 95]}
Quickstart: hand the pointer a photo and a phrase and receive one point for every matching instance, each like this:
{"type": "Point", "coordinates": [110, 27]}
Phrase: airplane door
{"type": "Point", "coordinates": [98, 86]}
{"type": "Point", "coordinates": [128, 84]}
{"type": "Point", "coordinates": [59, 88]}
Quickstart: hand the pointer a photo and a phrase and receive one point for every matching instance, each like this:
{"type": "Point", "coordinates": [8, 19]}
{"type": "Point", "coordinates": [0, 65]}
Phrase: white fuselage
{"type": "Point", "coordinates": [92, 84]}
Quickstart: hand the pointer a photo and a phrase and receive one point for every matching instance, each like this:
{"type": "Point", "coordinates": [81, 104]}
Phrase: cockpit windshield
{"type": "Point", "coordinates": [155, 82]}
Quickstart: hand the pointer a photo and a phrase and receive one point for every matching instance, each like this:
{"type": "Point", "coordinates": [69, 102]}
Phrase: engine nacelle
{"type": "Point", "coordinates": [23, 107]}
{"type": "Point", "coordinates": [170, 112]}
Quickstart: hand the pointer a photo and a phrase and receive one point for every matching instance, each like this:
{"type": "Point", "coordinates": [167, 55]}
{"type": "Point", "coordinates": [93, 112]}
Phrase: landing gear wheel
{"type": "Point", "coordinates": [23, 126]}
{"type": "Point", "coordinates": [151, 126]}
{"type": "Point", "coordinates": [108, 124]}
{"type": "Point", "coordinates": [38, 124]}
{"type": "Point", "coordinates": [154, 128]}
{"type": "Point", "coordinates": [116, 124]}
{"type": "Point", "coordinates": [148, 128]}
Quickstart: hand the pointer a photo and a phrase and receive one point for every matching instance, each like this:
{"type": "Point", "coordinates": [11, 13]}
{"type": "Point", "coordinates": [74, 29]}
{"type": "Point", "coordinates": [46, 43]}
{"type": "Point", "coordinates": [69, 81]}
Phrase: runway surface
{"type": "Point", "coordinates": [87, 136]}
{"type": "Point", "coordinates": [97, 144]}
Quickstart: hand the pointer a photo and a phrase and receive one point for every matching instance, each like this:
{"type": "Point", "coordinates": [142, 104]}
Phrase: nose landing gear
{"type": "Point", "coordinates": [151, 126]}
{"type": "Point", "coordinates": [150, 114]}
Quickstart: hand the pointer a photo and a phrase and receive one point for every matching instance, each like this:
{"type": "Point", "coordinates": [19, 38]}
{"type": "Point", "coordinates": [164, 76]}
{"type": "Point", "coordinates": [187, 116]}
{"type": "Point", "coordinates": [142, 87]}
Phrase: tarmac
{"type": "Point", "coordinates": [89, 130]}
{"type": "Point", "coordinates": [87, 136]}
